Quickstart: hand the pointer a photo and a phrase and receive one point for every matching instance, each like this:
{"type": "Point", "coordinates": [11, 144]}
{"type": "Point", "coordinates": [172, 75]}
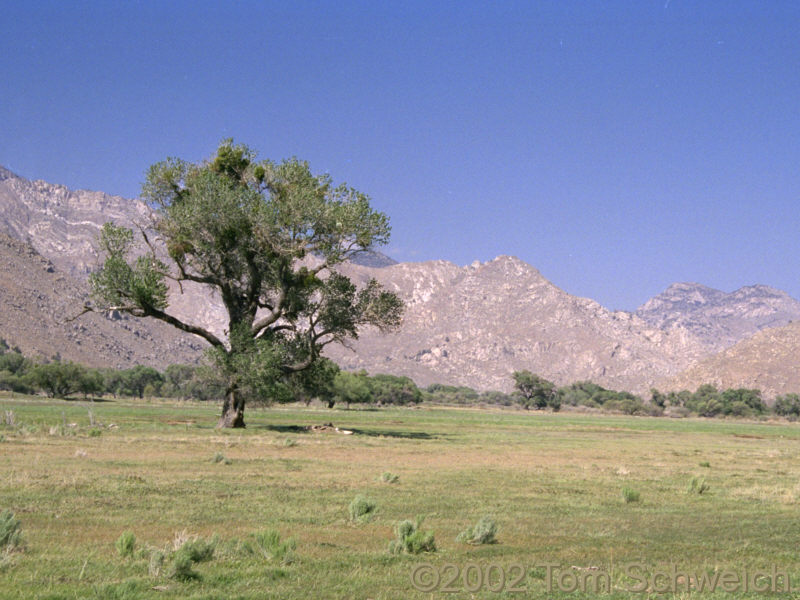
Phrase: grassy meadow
{"type": "Point", "coordinates": [593, 492]}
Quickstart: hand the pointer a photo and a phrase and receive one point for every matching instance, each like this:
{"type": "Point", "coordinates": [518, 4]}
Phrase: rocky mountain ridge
{"type": "Point", "coordinates": [38, 306]}
{"type": "Point", "coordinates": [469, 325]}
{"type": "Point", "coordinates": [767, 361]}
{"type": "Point", "coordinates": [717, 318]}
{"type": "Point", "coordinates": [475, 325]}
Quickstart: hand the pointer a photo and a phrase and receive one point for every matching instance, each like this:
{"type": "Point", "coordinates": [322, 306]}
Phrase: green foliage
{"type": "Point", "coordinates": [192, 550]}
{"type": "Point", "coordinates": [242, 228]}
{"type": "Point", "coordinates": [411, 538]}
{"type": "Point", "coordinates": [58, 379]}
{"type": "Point", "coordinates": [125, 544]}
{"type": "Point", "coordinates": [698, 486]}
{"type": "Point", "coordinates": [219, 457]}
{"type": "Point", "coordinates": [134, 381]}
{"type": "Point", "coordinates": [586, 393]}
{"type": "Point", "coordinates": [630, 495]}
{"type": "Point", "coordinates": [394, 390]}
{"type": "Point", "coordinates": [534, 391]}
{"type": "Point", "coordinates": [787, 405]}
{"type": "Point", "coordinates": [449, 394]}
{"type": "Point", "coordinates": [139, 286]}
{"type": "Point", "coordinates": [181, 567]}
{"type": "Point", "coordinates": [14, 363]}
{"type": "Point", "coordinates": [15, 383]}
{"type": "Point", "coordinates": [351, 388]}
{"type": "Point", "coordinates": [705, 463]}
{"type": "Point", "coordinates": [198, 549]}
{"type": "Point", "coordinates": [91, 382]}
{"type": "Point", "coordinates": [389, 477]}
{"type": "Point", "coordinates": [268, 544]}
{"type": "Point", "coordinates": [10, 531]}
{"type": "Point", "coordinates": [483, 532]}
{"type": "Point", "coordinates": [708, 401]}
{"type": "Point", "coordinates": [362, 509]}
{"type": "Point", "coordinates": [316, 381]}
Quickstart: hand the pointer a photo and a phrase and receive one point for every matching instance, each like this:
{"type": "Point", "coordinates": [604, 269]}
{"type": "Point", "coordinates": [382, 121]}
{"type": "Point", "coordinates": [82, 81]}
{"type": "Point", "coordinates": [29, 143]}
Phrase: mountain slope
{"type": "Point", "coordinates": [717, 318]}
{"type": "Point", "coordinates": [469, 325]}
{"type": "Point", "coordinates": [768, 360]}
{"type": "Point", "coordinates": [475, 325]}
{"type": "Point", "coordinates": [37, 302]}
{"type": "Point", "coordinates": [62, 224]}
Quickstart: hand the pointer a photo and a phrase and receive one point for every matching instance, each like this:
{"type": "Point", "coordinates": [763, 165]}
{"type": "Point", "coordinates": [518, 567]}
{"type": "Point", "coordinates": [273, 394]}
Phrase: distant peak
{"type": "Point", "coordinates": [6, 174]}
{"type": "Point", "coordinates": [691, 286]}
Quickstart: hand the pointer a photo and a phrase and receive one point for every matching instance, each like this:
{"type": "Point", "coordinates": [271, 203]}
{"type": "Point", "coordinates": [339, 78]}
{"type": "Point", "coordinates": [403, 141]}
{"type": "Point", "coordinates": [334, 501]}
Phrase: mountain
{"type": "Point", "coordinates": [62, 224]}
{"type": "Point", "coordinates": [470, 325]}
{"type": "Point", "coordinates": [768, 361]}
{"type": "Point", "coordinates": [373, 259]}
{"type": "Point", "coordinates": [475, 325]}
{"type": "Point", "coordinates": [720, 319]}
{"type": "Point", "coordinates": [38, 303]}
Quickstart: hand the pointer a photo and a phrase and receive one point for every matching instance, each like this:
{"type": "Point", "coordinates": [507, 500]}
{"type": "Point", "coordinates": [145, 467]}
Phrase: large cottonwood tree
{"type": "Point", "coordinates": [267, 237]}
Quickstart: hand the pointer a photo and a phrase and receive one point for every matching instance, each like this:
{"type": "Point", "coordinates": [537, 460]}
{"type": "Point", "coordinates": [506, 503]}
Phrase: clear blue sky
{"type": "Point", "coordinates": [616, 146]}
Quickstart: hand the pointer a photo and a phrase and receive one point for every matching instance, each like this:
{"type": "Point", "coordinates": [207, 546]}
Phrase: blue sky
{"type": "Point", "coordinates": [616, 146]}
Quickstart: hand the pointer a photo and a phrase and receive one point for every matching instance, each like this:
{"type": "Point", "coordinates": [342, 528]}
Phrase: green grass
{"type": "Point", "coordinates": [551, 482]}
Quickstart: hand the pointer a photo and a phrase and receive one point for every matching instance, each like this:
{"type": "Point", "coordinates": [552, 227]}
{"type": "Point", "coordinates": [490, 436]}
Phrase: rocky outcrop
{"type": "Point", "coordinates": [768, 361]}
{"type": "Point", "coordinates": [62, 224]}
{"type": "Point", "coordinates": [717, 318]}
{"type": "Point", "coordinates": [38, 306]}
{"type": "Point", "coordinates": [475, 325]}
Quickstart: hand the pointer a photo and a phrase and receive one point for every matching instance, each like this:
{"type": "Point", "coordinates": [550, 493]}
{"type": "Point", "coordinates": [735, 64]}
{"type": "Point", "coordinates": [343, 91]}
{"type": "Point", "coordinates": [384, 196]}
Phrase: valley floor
{"type": "Point", "coordinates": [553, 483]}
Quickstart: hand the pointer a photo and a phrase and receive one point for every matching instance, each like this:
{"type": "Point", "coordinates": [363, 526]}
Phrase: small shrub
{"type": "Point", "coordinates": [198, 549]}
{"type": "Point", "coordinates": [483, 532]}
{"type": "Point", "coordinates": [630, 495]}
{"type": "Point", "coordinates": [95, 433]}
{"type": "Point", "coordinates": [389, 477]}
{"type": "Point", "coordinates": [705, 463]}
{"type": "Point", "coordinates": [10, 531]}
{"type": "Point", "coordinates": [698, 486]}
{"type": "Point", "coordinates": [219, 457]}
{"type": "Point", "coordinates": [181, 567]}
{"type": "Point", "coordinates": [126, 543]}
{"type": "Point", "coordinates": [2, 438]}
{"type": "Point", "coordinates": [362, 509]}
{"type": "Point", "coordinates": [411, 539]}
{"type": "Point", "coordinates": [289, 443]}
{"type": "Point", "coordinates": [268, 544]}
{"type": "Point", "coordinates": [157, 559]}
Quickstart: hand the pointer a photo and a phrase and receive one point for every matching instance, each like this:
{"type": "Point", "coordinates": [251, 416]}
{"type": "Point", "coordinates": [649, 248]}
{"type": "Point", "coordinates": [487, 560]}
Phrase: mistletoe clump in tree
{"type": "Point", "coordinates": [267, 237]}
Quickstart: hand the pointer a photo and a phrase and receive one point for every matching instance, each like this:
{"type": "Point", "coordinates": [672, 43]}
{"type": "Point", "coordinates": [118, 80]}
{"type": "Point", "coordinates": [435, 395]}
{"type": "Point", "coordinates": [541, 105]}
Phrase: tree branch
{"type": "Point", "coordinates": [175, 322]}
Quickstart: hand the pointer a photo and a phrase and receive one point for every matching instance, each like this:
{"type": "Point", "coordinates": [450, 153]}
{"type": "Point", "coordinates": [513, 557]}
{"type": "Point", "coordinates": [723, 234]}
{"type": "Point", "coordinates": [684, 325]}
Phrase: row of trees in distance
{"type": "Point", "coordinates": [332, 386]}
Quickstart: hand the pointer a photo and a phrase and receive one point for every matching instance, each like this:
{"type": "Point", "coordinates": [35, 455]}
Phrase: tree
{"type": "Point", "coordinates": [137, 379]}
{"type": "Point", "coordinates": [394, 389]}
{"type": "Point", "coordinates": [267, 238]}
{"type": "Point", "coordinates": [787, 406]}
{"type": "Point", "coordinates": [534, 390]}
{"type": "Point", "coordinates": [351, 388]}
{"type": "Point", "coordinates": [90, 382]}
{"type": "Point", "coordinates": [316, 381]}
{"type": "Point", "coordinates": [57, 379]}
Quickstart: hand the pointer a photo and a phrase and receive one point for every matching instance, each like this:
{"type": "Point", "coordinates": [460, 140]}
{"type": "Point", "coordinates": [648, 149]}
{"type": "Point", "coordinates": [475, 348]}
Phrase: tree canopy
{"type": "Point", "coordinates": [267, 237]}
{"type": "Point", "coordinates": [534, 391]}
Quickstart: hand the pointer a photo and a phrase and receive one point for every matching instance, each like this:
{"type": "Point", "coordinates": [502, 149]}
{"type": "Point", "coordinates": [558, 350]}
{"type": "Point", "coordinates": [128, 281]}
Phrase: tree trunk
{"type": "Point", "coordinates": [232, 410]}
